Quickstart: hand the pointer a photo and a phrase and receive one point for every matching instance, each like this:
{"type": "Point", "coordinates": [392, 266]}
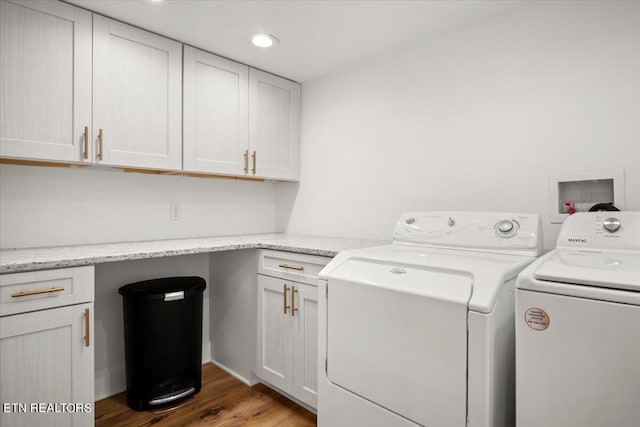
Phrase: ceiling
{"type": "Point", "coordinates": [316, 37]}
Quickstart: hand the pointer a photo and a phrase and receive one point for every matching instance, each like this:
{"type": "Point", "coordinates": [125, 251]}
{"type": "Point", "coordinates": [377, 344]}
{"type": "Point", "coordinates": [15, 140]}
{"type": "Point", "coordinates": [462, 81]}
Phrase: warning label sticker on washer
{"type": "Point", "coordinates": [536, 318]}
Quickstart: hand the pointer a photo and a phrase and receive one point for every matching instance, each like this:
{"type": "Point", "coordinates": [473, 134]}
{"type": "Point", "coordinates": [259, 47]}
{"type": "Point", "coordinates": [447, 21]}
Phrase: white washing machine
{"type": "Point", "coordinates": [578, 327]}
{"type": "Point", "coordinates": [421, 331]}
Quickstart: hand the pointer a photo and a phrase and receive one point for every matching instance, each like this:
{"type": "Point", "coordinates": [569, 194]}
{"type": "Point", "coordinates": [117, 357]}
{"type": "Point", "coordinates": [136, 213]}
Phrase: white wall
{"type": "Point", "coordinates": [475, 119]}
{"type": "Point", "coordinates": [108, 317]}
{"type": "Point", "coordinates": [43, 206]}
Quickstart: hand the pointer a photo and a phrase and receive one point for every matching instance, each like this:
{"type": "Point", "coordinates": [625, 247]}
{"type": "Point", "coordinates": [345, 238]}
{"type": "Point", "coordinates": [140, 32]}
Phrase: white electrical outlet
{"type": "Point", "coordinates": [175, 211]}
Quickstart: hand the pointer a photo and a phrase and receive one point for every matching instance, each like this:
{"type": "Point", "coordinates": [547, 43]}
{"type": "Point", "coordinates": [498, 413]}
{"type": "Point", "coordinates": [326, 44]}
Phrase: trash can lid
{"type": "Point", "coordinates": [187, 284]}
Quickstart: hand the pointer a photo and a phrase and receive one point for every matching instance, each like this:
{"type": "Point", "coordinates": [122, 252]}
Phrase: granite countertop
{"type": "Point", "coordinates": [31, 259]}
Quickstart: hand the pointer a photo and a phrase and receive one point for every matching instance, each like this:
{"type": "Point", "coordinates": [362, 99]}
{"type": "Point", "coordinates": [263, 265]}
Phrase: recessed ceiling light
{"type": "Point", "coordinates": [263, 40]}
{"type": "Point", "coordinates": [155, 1]}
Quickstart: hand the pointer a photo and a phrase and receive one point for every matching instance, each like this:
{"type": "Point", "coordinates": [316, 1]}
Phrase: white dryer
{"type": "Point", "coordinates": [578, 327]}
{"type": "Point", "coordinates": [421, 331]}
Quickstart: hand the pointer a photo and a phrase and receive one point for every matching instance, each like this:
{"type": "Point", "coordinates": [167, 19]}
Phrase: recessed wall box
{"type": "Point", "coordinates": [582, 190]}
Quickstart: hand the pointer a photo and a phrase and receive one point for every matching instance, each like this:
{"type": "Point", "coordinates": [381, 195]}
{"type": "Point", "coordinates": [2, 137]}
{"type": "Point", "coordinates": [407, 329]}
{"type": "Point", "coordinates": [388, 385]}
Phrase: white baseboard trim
{"type": "Point", "coordinates": [288, 396]}
{"type": "Point", "coordinates": [110, 382]}
{"type": "Point", "coordinates": [231, 372]}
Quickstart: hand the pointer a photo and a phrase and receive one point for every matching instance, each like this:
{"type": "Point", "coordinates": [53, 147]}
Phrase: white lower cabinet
{"type": "Point", "coordinates": [305, 344]}
{"type": "Point", "coordinates": [275, 355]}
{"type": "Point", "coordinates": [47, 355]}
{"type": "Point", "coordinates": [287, 349]}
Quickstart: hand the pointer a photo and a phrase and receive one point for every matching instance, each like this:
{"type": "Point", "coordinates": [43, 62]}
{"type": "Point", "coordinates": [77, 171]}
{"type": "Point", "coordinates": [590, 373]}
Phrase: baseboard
{"type": "Point", "coordinates": [206, 353]}
{"type": "Point", "coordinates": [249, 382]}
{"type": "Point", "coordinates": [110, 382]}
{"type": "Point", "coordinates": [288, 396]}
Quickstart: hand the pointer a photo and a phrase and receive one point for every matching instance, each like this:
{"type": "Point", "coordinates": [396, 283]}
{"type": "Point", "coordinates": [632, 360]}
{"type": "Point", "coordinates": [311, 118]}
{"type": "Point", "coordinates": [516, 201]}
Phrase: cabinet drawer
{"type": "Point", "coordinates": [290, 266]}
{"type": "Point", "coordinates": [37, 290]}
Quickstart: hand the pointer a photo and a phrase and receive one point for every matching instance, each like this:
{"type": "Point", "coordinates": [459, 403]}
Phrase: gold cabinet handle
{"type": "Point", "coordinates": [100, 144]}
{"type": "Point", "coordinates": [246, 161]}
{"type": "Point", "coordinates": [291, 267]}
{"type": "Point", "coordinates": [38, 292]}
{"type": "Point", "coordinates": [286, 289]}
{"type": "Point", "coordinates": [293, 301]}
{"type": "Point", "coordinates": [85, 151]}
{"type": "Point", "coordinates": [253, 156]}
{"type": "Point", "coordinates": [86, 327]}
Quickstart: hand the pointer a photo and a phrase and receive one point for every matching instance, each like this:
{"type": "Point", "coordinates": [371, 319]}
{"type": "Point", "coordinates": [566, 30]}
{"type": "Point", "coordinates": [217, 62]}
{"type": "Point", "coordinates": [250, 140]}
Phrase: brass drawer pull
{"type": "Point", "coordinates": [293, 301]}
{"type": "Point", "coordinates": [246, 161]}
{"type": "Point", "coordinates": [291, 267]}
{"type": "Point", "coordinates": [286, 289]}
{"type": "Point", "coordinates": [100, 144]}
{"type": "Point", "coordinates": [85, 151]}
{"type": "Point", "coordinates": [253, 156]}
{"type": "Point", "coordinates": [38, 292]}
{"type": "Point", "coordinates": [86, 327]}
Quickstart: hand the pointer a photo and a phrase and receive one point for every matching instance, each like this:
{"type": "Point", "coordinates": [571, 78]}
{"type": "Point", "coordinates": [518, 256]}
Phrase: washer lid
{"type": "Point", "coordinates": [605, 269]}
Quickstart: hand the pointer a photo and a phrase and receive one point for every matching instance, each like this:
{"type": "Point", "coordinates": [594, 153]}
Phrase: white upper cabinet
{"type": "Point", "coordinates": [274, 126]}
{"type": "Point", "coordinates": [239, 121]}
{"type": "Point", "coordinates": [215, 109]}
{"type": "Point", "coordinates": [79, 87]}
{"type": "Point", "coordinates": [137, 97]}
{"type": "Point", "coordinates": [45, 81]}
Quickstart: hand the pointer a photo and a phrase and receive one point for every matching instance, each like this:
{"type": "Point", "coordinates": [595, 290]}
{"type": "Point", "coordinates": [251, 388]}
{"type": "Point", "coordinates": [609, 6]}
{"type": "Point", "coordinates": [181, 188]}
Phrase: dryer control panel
{"type": "Point", "coordinates": [606, 230]}
{"type": "Point", "coordinates": [507, 232]}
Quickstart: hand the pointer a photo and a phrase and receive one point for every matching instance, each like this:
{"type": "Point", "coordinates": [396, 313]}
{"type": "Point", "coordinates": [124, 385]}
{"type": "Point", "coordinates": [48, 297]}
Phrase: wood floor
{"type": "Point", "coordinates": [223, 401]}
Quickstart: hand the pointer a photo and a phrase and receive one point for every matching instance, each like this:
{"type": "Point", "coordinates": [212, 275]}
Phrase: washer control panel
{"type": "Point", "coordinates": [607, 230]}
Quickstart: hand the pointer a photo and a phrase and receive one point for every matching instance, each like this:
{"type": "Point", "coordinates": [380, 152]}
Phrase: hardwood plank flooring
{"type": "Point", "coordinates": [223, 401]}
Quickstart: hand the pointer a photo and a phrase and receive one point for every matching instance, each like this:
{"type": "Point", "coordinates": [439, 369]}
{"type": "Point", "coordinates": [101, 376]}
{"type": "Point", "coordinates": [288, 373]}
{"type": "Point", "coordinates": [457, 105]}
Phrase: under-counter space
{"type": "Point", "coordinates": [32, 259]}
{"type": "Point", "coordinates": [228, 263]}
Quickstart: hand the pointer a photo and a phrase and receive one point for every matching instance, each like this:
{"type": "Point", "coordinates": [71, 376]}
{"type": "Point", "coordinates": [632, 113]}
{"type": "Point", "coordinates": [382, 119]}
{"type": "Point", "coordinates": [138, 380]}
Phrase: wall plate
{"type": "Point", "coordinates": [584, 189]}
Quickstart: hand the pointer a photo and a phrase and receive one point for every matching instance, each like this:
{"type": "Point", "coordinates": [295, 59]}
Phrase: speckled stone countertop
{"type": "Point", "coordinates": [31, 259]}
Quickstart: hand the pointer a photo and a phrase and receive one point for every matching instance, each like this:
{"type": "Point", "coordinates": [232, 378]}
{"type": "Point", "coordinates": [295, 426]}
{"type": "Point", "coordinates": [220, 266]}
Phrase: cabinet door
{"type": "Point", "coordinates": [274, 122]}
{"type": "Point", "coordinates": [45, 80]}
{"type": "Point", "coordinates": [305, 344]}
{"type": "Point", "coordinates": [137, 96]}
{"type": "Point", "coordinates": [45, 359]}
{"type": "Point", "coordinates": [274, 355]}
{"type": "Point", "coordinates": [216, 108]}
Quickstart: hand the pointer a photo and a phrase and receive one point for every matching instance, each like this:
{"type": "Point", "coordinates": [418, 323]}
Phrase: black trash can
{"type": "Point", "coordinates": [163, 340]}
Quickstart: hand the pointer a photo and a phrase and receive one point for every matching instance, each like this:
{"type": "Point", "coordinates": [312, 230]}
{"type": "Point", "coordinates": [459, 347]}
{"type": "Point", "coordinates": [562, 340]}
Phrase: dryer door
{"type": "Point", "coordinates": [397, 336]}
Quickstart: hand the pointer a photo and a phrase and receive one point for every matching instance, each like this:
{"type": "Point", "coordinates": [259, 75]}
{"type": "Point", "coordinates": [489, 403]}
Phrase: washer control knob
{"type": "Point", "coordinates": [611, 224]}
{"type": "Point", "coordinates": [505, 226]}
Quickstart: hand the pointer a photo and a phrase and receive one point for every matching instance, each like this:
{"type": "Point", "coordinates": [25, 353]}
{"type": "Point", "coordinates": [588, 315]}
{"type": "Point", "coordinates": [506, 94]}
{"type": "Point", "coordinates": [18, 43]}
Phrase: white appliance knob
{"type": "Point", "coordinates": [611, 224]}
{"type": "Point", "coordinates": [505, 226]}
